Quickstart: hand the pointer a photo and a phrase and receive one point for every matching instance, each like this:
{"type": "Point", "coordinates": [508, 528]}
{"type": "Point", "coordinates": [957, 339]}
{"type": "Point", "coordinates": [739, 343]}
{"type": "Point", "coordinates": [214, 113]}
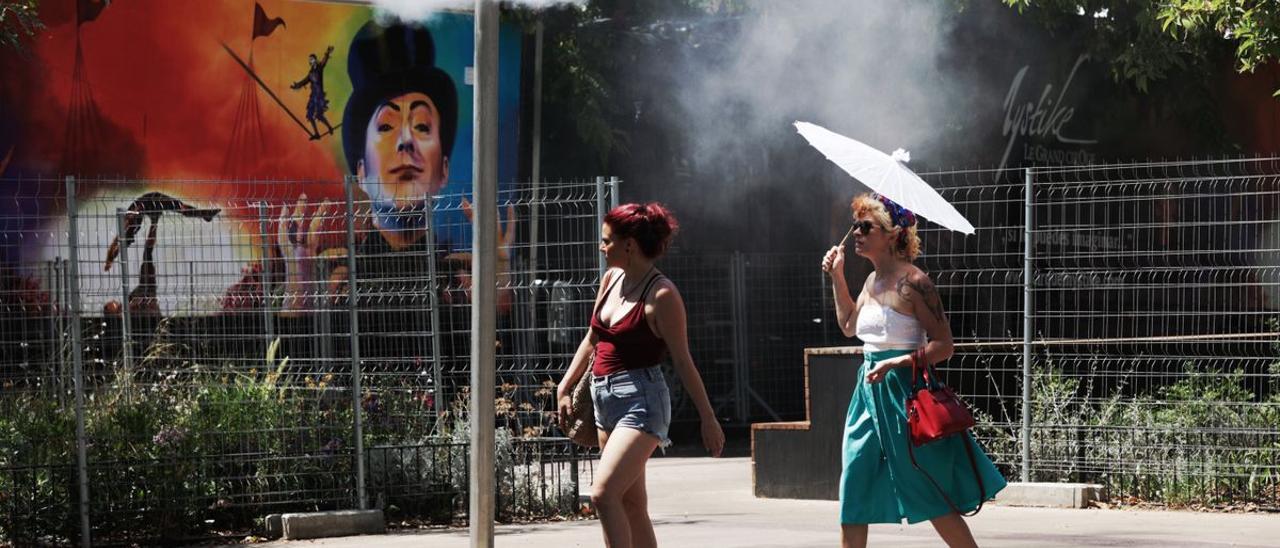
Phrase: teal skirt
{"type": "Point", "coordinates": [878, 483]}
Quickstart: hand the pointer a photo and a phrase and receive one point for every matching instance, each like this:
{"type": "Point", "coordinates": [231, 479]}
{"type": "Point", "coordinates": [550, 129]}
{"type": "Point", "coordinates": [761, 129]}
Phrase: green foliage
{"type": "Point", "coordinates": [1147, 42]}
{"type": "Point", "coordinates": [585, 51]}
{"type": "Point", "coordinates": [213, 449]}
{"type": "Point", "coordinates": [37, 501]}
{"type": "Point", "coordinates": [1253, 26]}
{"type": "Point", "coordinates": [19, 19]}
{"type": "Point", "coordinates": [1204, 439]}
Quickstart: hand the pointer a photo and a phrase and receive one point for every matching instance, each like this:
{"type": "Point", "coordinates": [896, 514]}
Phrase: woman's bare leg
{"type": "Point", "coordinates": [954, 531]}
{"type": "Point", "coordinates": [636, 502]}
{"type": "Point", "coordinates": [853, 536]}
{"type": "Point", "coordinates": [622, 459]}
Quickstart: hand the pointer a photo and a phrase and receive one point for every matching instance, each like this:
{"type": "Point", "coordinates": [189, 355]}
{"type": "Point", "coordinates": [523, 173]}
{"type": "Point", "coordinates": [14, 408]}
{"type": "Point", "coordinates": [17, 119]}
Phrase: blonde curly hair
{"type": "Point", "coordinates": [906, 242]}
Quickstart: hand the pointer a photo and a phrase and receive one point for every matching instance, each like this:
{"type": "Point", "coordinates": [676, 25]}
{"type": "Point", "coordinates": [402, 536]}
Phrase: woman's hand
{"type": "Point", "coordinates": [833, 262]}
{"type": "Point", "coordinates": [882, 368]}
{"type": "Point", "coordinates": [712, 436]}
{"type": "Point", "coordinates": [564, 411]}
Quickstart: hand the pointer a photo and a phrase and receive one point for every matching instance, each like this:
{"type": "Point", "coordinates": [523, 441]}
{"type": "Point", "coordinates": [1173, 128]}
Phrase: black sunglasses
{"type": "Point", "coordinates": [863, 227]}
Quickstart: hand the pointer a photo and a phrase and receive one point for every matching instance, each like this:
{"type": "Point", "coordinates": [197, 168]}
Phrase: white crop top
{"type": "Point", "coordinates": [883, 328]}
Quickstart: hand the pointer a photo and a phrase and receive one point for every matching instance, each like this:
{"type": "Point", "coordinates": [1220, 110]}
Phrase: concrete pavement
{"type": "Point", "coordinates": [703, 502]}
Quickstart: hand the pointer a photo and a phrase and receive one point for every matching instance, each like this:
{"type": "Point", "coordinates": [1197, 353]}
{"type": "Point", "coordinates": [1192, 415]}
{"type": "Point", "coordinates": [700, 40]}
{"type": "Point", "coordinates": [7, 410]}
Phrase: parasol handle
{"type": "Point", "coordinates": [846, 236]}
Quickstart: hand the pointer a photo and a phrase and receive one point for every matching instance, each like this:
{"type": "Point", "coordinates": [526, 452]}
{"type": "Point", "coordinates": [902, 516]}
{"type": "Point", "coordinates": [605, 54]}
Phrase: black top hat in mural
{"type": "Point", "coordinates": [386, 62]}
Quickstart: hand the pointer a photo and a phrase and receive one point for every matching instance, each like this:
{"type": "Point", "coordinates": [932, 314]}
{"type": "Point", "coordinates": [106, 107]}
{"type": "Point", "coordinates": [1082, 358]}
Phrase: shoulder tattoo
{"type": "Point", "coordinates": [921, 288]}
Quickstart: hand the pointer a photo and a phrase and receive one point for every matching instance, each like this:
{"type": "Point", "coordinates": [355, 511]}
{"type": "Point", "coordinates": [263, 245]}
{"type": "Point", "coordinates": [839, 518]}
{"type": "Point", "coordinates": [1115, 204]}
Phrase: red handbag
{"type": "Point", "coordinates": [935, 412]}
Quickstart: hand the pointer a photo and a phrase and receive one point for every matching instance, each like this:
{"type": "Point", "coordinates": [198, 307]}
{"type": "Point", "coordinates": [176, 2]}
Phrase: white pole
{"type": "Point", "coordinates": [484, 276]}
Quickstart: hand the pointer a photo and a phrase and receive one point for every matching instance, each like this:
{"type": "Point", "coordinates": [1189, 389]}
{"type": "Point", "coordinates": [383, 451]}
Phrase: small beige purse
{"type": "Point", "coordinates": [582, 420]}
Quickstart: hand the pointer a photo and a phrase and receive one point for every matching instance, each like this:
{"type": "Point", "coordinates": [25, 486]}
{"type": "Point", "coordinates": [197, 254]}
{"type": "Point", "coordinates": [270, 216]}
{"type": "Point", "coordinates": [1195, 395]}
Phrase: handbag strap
{"type": "Point", "coordinates": [929, 379]}
{"type": "Point", "coordinates": [973, 464]}
{"type": "Point", "coordinates": [923, 374]}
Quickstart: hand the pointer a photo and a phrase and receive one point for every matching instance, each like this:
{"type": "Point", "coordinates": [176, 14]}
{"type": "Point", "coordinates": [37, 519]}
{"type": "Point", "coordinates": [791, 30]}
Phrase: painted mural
{"type": "Point", "coordinates": [207, 108]}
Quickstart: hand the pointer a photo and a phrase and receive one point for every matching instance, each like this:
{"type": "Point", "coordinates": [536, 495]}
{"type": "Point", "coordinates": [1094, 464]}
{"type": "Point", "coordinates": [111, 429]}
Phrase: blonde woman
{"type": "Point", "coordinates": [899, 317]}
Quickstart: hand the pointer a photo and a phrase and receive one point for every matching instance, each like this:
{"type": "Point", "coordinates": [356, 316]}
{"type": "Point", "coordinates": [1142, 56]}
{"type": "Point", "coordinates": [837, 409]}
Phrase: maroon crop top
{"type": "Point", "coordinates": [629, 343]}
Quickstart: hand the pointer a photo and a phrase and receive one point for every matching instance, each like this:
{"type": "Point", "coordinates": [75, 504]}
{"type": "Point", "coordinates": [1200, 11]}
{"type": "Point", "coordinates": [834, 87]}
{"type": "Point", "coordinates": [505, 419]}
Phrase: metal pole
{"type": "Point", "coordinates": [64, 317]}
{"type": "Point", "coordinates": [614, 197]}
{"type": "Point", "coordinates": [437, 382]}
{"type": "Point", "coordinates": [191, 286]}
{"type": "Point", "coordinates": [600, 212]}
{"type": "Point", "coordinates": [740, 396]}
{"type": "Point", "coordinates": [267, 323]}
{"type": "Point", "coordinates": [77, 355]}
{"type": "Point", "coordinates": [530, 333]}
{"type": "Point", "coordinates": [353, 321]}
{"type": "Point", "coordinates": [537, 103]}
{"type": "Point", "coordinates": [55, 337]}
{"type": "Point", "coordinates": [484, 282]}
{"type": "Point", "coordinates": [574, 475]}
{"type": "Point", "coordinates": [126, 325]}
{"type": "Point", "coordinates": [535, 203]}
{"type": "Point", "coordinates": [1027, 308]}
{"type": "Point", "coordinates": [744, 330]}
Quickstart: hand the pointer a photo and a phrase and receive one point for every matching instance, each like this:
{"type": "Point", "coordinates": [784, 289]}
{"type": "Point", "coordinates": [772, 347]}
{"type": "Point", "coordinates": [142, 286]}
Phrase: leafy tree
{"type": "Point", "coordinates": [18, 19]}
{"type": "Point", "coordinates": [1148, 41]}
{"type": "Point", "coordinates": [585, 51]}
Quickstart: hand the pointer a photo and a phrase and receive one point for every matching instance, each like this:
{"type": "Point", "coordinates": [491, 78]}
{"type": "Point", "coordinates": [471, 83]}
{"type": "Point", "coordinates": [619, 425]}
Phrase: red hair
{"type": "Point", "coordinates": [651, 225]}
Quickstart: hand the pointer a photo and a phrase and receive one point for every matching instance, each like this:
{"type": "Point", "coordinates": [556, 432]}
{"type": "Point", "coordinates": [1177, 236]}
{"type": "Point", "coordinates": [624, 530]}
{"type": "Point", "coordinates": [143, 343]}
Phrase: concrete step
{"type": "Point", "coordinates": [341, 523]}
{"type": "Point", "coordinates": [1051, 495]}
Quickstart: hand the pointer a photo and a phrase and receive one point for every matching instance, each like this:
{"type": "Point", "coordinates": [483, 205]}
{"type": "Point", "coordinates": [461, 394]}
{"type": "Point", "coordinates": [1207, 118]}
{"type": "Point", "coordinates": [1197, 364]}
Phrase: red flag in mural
{"type": "Point", "coordinates": [88, 10]}
{"type": "Point", "coordinates": [262, 25]}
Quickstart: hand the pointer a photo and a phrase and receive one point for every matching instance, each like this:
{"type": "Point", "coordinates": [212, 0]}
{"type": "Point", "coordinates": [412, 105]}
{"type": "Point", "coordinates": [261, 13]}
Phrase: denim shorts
{"type": "Point", "coordinates": [635, 398]}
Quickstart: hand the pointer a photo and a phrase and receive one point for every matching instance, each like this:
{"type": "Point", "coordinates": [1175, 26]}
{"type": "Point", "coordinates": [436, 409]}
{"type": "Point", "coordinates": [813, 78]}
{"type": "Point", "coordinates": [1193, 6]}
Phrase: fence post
{"type": "Point", "coordinates": [1028, 248]}
{"type": "Point", "coordinates": [615, 198]}
{"type": "Point", "coordinates": [57, 327]}
{"type": "Point", "coordinates": [600, 212]}
{"type": "Point", "coordinates": [573, 475]}
{"type": "Point", "coordinates": [191, 285]}
{"type": "Point", "coordinates": [433, 296]}
{"type": "Point", "coordinates": [531, 336]}
{"type": "Point", "coordinates": [741, 378]}
{"type": "Point", "coordinates": [826, 310]}
{"type": "Point", "coordinates": [354, 333]}
{"type": "Point", "coordinates": [126, 323]}
{"type": "Point", "coordinates": [77, 356]}
{"type": "Point", "coordinates": [268, 324]}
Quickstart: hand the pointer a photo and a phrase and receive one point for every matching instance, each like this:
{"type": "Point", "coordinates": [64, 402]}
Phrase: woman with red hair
{"type": "Point", "coordinates": [638, 318]}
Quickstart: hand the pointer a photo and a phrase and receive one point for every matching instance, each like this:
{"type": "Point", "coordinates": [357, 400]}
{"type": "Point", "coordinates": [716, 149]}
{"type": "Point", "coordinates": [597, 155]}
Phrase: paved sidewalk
{"type": "Point", "coordinates": [703, 503]}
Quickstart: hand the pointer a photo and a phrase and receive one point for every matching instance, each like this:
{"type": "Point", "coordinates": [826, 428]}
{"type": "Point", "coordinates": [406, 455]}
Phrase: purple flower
{"type": "Point", "coordinates": [169, 435]}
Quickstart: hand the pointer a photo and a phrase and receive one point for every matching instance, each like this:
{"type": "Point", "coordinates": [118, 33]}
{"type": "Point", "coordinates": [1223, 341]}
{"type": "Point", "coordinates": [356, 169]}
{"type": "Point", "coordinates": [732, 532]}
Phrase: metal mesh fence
{"type": "Point", "coordinates": [214, 352]}
{"type": "Point", "coordinates": [1156, 298]}
{"type": "Point", "coordinates": [980, 280]}
{"type": "Point", "coordinates": [213, 361]}
{"type": "Point", "coordinates": [1153, 328]}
